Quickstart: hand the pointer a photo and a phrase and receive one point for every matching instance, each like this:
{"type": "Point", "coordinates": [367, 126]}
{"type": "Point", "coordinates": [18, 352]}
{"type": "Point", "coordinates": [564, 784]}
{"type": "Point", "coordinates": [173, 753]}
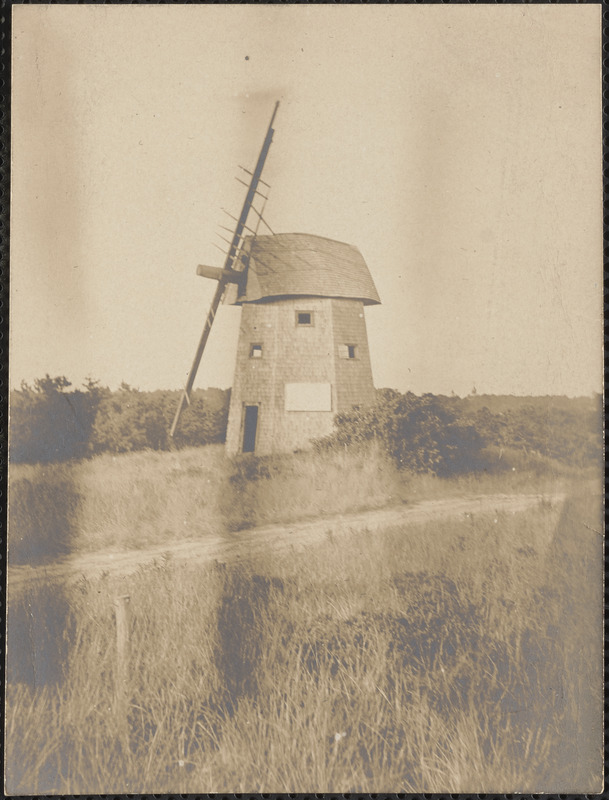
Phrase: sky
{"type": "Point", "coordinates": [458, 147]}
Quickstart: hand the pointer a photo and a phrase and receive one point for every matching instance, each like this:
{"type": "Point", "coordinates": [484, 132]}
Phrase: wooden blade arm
{"type": "Point", "coordinates": [230, 258]}
{"type": "Point", "coordinates": [209, 321]}
{"type": "Point", "coordinates": [249, 197]}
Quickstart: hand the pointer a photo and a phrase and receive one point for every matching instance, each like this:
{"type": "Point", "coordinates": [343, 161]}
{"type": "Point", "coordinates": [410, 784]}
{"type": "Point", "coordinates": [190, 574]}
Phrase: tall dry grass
{"type": "Point", "coordinates": [124, 501]}
{"type": "Point", "coordinates": [143, 499]}
{"type": "Point", "coordinates": [458, 656]}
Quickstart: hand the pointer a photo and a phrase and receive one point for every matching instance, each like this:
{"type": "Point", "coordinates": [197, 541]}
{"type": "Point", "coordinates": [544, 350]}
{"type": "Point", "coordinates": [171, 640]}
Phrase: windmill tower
{"type": "Point", "coordinates": [302, 353]}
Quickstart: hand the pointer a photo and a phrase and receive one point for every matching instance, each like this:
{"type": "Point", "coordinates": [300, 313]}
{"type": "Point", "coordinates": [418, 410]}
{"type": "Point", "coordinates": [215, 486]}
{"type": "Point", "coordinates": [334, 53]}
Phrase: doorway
{"type": "Point", "coordinates": [250, 424]}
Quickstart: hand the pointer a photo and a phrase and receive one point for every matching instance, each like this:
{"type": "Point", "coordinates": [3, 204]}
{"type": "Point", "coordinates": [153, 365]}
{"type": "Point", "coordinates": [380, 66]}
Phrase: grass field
{"type": "Point", "coordinates": [151, 498]}
{"type": "Point", "coordinates": [456, 656]}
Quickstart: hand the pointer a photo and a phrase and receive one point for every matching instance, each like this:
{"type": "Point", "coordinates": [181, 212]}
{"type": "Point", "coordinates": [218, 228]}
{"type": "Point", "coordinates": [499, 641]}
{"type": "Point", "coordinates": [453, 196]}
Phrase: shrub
{"type": "Point", "coordinates": [49, 423]}
{"type": "Point", "coordinates": [420, 434]}
{"type": "Point", "coordinates": [449, 436]}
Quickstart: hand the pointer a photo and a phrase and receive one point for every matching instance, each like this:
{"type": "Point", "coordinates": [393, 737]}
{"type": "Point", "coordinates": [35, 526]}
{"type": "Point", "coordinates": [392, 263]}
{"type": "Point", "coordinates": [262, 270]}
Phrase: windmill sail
{"type": "Point", "coordinates": [227, 274]}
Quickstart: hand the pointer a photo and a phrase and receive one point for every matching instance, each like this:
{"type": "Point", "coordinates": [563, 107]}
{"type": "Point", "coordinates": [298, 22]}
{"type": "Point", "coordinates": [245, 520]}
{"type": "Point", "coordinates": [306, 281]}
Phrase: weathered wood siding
{"type": "Point", "coordinates": [293, 353]}
{"type": "Point", "coordinates": [353, 377]}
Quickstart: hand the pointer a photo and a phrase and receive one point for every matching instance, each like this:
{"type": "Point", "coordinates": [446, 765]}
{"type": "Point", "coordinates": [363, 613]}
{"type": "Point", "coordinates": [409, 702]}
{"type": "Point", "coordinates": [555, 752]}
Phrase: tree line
{"type": "Point", "coordinates": [54, 421]}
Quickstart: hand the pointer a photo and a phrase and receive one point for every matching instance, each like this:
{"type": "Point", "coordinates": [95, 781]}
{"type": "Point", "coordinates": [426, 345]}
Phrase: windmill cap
{"type": "Point", "coordinates": [293, 264]}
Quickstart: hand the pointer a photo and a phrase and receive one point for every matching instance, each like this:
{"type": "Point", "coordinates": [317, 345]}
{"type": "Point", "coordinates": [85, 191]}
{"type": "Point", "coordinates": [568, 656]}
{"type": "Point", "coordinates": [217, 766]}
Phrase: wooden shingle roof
{"type": "Point", "coordinates": [288, 264]}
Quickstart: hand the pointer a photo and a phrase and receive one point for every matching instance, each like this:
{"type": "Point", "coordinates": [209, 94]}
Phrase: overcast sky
{"type": "Point", "coordinates": [459, 148]}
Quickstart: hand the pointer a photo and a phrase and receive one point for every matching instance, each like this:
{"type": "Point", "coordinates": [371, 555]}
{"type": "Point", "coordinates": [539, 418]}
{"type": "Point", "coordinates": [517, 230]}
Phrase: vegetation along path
{"type": "Point", "coordinates": [246, 543]}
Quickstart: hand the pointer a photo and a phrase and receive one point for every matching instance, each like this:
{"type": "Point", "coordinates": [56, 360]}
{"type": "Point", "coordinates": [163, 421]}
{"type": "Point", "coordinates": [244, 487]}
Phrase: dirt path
{"type": "Point", "coordinates": [244, 544]}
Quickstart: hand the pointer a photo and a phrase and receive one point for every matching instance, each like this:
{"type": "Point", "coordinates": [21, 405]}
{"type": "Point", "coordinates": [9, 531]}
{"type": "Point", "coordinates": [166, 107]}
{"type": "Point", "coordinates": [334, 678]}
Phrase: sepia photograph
{"type": "Point", "coordinates": [305, 417]}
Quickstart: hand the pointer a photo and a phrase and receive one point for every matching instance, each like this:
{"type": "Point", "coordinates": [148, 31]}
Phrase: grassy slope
{"type": "Point", "coordinates": [143, 499]}
{"type": "Point", "coordinates": [457, 656]}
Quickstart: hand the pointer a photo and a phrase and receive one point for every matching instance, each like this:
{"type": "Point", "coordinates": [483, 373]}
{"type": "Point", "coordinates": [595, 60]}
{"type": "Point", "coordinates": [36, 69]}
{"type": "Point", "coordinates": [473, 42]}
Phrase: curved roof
{"type": "Point", "coordinates": [288, 264]}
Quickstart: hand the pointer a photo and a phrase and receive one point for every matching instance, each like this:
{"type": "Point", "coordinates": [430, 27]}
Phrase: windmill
{"type": "Point", "coordinates": [302, 352]}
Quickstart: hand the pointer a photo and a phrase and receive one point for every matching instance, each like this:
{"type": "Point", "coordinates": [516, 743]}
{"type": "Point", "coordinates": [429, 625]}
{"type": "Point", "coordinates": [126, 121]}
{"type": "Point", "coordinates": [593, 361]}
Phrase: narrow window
{"type": "Point", "coordinates": [304, 318]}
{"type": "Point", "coordinates": [256, 351]}
{"type": "Point", "coordinates": [347, 350]}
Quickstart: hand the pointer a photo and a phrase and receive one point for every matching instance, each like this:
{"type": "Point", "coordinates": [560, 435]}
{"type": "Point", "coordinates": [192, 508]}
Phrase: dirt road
{"type": "Point", "coordinates": [241, 545]}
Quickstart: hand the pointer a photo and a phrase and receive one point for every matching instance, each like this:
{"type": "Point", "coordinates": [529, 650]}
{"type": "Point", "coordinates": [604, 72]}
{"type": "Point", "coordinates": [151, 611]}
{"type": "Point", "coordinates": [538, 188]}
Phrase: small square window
{"type": "Point", "coordinates": [304, 318]}
{"type": "Point", "coordinates": [256, 351]}
{"type": "Point", "coordinates": [347, 351]}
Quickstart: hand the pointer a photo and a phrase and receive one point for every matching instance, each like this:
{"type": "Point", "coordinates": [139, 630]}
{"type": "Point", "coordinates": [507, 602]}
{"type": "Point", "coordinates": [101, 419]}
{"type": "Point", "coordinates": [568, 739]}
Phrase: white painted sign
{"type": "Point", "coordinates": [308, 397]}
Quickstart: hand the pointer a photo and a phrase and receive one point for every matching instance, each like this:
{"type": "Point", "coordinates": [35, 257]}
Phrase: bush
{"type": "Point", "coordinates": [49, 423]}
{"type": "Point", "coordinates": [448, 436]}
{"type": "Point", "coordinates": [420, 434]}
{"type": "Point", "coordinates": [130, 420]}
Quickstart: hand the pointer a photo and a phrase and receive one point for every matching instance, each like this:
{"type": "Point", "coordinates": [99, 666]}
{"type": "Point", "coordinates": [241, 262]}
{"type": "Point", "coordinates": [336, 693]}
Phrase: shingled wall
{"type": "Point", "coordinates": [297, 354]}
{"type": "Point", "coordinates": [353, 377]}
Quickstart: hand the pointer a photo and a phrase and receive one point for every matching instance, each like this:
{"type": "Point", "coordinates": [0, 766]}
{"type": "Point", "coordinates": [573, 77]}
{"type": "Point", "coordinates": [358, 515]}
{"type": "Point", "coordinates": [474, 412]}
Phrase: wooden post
{"type": "Point", "coordinates": [122, 611]}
